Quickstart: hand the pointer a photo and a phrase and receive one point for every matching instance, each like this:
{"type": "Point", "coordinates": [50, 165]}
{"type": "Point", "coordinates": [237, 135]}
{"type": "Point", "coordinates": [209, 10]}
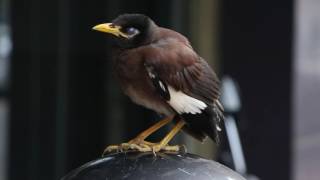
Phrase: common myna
{"type": "Point", "coordinates": [158, 69]}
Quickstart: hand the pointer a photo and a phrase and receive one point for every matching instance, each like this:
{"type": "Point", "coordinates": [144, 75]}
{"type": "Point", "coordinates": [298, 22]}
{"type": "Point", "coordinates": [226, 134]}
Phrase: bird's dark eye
{"type": "Point", "coordinates": [131, 31]}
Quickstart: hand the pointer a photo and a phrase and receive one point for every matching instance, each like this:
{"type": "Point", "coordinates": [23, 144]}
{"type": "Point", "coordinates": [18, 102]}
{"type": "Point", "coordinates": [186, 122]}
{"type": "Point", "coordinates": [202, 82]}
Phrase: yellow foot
{"type": "Point", "coordinates": [143, 146]}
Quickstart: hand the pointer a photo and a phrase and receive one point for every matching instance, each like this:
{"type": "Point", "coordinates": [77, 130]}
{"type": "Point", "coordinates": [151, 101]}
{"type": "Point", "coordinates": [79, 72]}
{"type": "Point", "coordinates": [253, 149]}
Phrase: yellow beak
{"type": "Point", "coordinates": [110, 28]}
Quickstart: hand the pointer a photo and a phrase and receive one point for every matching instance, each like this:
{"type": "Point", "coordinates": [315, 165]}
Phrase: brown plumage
{"type": "Point", "coordinates": [158, 69]}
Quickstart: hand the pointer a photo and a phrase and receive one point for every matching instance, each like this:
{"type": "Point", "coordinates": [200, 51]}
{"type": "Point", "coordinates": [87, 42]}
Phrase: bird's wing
{"type": "Point", "coordinates": [183, 78]}
{"type": "Point", "coordinates": [188, 85]}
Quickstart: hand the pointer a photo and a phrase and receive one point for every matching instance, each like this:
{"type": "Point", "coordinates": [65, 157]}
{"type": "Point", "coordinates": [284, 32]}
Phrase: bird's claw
{"type": "Point", "coordinates": [127, 147]}
{"type": "Point", "coordinates": [142, 147]}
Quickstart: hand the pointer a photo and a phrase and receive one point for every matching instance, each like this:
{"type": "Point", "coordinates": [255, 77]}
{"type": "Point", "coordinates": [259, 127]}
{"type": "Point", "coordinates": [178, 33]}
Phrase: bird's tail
{"type": "Point", "coordinates": [217, 120]}
{"type": "Point", "coordinates": [208, 123]}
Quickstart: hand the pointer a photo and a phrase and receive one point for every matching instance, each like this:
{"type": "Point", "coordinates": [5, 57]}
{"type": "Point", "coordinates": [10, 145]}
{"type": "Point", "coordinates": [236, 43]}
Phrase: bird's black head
{"type": "Point", "coordinates": [129, 30]}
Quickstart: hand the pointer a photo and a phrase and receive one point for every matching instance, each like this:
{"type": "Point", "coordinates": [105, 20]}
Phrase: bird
{"type": "Point", "coordinates": [157, 68]}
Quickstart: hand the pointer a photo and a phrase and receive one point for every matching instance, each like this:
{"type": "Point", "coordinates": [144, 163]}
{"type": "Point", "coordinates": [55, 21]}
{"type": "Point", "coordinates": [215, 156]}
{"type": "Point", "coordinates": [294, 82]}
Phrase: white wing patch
{"type": "Point", "coordinates": [183, 103]}
{"type": "Point", "coordinates": [162, 86]}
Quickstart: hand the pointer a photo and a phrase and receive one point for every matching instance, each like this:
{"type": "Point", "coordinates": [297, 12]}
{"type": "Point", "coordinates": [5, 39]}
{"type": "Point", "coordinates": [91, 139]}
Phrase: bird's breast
{"type": "Point", "coordinates": [148, 99]}
{"type": "Point", "coordinates": [136, 84]}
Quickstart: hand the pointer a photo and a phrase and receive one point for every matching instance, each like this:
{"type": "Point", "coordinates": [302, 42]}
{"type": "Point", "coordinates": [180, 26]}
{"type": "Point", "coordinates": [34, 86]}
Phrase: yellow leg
{"type": "Point", "coordinates": [139, 142]}
{"type": "Point", "coordinates": [163, 144]}
{"type": "Point", "coordinates": [142, 136]}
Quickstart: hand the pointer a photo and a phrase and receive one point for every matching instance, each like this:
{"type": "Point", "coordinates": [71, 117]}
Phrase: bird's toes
{"type": "Point", "coordinates": [125, 146]}
{"type": "Point", "coordinates": [111, 148]}
{"type": "Point", "coordinates": [171, 148]}
{"type": "Point", "coordinates": [141, 147]}
{"type": "Point", "coordinates": [145, 147]}
{"type": "Point", "coordinates": [156, 148]}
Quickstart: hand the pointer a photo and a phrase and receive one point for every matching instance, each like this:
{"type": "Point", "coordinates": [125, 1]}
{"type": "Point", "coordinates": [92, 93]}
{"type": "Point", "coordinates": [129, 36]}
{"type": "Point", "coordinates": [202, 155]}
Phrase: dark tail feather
{"type": "Point", "coordinates": [208, 123]}
{"type": "Point", "coordinates": [217, 119]}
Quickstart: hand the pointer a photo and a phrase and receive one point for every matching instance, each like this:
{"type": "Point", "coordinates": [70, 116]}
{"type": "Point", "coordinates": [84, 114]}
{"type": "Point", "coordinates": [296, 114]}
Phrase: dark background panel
{"type": "Point", "coordinates": [256, 50]}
